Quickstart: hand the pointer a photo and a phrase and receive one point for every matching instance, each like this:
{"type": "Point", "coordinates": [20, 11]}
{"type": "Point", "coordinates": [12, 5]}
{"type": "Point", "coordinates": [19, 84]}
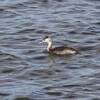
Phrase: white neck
{"type": "Point", "coordinates": [49, 46]}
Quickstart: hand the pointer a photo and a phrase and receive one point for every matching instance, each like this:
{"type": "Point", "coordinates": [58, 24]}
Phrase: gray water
{"type": "Point", "coordinates": [27, 71]}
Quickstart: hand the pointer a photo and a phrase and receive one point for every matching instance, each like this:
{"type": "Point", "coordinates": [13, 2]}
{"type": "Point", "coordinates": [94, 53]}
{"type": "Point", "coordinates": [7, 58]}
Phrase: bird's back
{"type": "Point", "coordinates": [63, 51]}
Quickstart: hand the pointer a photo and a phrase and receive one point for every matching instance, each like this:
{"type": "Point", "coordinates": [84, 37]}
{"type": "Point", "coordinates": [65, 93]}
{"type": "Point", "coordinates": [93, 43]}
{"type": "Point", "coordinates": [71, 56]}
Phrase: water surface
{"type": "Point", "coordinates": [27, 72]}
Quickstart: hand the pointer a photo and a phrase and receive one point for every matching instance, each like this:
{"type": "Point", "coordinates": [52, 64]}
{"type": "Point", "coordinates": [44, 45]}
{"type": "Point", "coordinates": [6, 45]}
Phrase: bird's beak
{"type": "Point", "coordinates": [41, 42]}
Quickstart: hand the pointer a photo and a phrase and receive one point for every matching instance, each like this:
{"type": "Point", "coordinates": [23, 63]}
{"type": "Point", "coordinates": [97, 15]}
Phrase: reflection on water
{"type": "Point", "coordinates": [29, 73]}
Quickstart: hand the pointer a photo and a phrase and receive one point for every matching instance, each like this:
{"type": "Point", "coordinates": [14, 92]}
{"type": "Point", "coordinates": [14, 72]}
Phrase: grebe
{"type": "Point", "coordinates": [58, 50]}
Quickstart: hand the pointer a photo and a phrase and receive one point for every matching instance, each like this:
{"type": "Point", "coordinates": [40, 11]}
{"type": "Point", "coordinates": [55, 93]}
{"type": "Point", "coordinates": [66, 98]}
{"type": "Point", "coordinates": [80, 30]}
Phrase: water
{"type": "Point", "coordinates": [27, 72]}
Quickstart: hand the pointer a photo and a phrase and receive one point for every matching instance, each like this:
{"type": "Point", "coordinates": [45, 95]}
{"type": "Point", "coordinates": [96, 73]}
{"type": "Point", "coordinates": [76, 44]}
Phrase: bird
{"type": "Point", "coordinates": [62, 50]}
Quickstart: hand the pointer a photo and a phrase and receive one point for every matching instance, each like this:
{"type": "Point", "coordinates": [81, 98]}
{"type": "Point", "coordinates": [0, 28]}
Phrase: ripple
{"type": "Point", "coordinates": [1, 10]}
{"type": "Point", "coordinates": [54, 93]}
{"type": "Point", "coordinates": [4, 94]}
{"type": "Point", "coordinates": [25, 31]}
{"type": "Point", "coordinates": [40, 57]}
{"type": "Point", "coordinates": [27, 72]}
{"type": "Point", "coordinates": [22, 98]}
{"type": "Point", "coordinates": [9, 70]}
{"type": "Point", "coordinates": [86, 48]}
{"type": "Point", "coordinates": [98, 23]}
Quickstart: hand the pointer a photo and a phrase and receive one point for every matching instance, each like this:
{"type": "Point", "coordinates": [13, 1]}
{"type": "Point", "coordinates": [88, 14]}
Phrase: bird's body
{"type": "Point", "coordinates": [63, 51]}
{"type": "Point", "coordinates": [58, 50]}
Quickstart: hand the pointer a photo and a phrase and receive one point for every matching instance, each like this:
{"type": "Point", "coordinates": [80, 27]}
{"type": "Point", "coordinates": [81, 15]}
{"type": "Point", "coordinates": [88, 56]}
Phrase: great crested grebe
{"type": "Point", "coordinates": [58, 50]}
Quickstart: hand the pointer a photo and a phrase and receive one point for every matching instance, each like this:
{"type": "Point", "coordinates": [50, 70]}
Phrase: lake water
{"type": "Point", "coordinates": [27, 72]}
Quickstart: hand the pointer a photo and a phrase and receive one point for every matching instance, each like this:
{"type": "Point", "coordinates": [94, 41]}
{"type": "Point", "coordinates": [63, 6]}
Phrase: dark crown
{"type": "Point", "coordinates": [45, 37]}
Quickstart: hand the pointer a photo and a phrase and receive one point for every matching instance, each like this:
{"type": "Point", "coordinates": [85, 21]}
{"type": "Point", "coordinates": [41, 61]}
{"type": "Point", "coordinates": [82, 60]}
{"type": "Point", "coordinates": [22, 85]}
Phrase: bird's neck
{"type": "Point", "coordinates": [49, 46]}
